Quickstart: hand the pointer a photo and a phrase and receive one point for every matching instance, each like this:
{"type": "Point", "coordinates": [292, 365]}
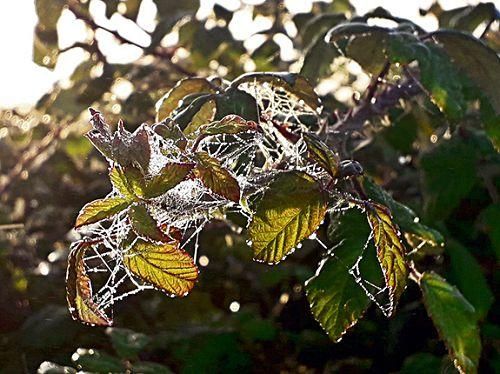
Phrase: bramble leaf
{"type": "Point", "coordinates": [168, 177]}
{"type": "Point", "coordinates": [79, 290]}
{"type": "Point", "coordinates": [163, 265]}
{"type": "Point", "coordinates": [336, 300]}
{"type": "Point", "coordinates": [143, 224]}
{"type": "Point", "coordinates": [390, 250]}
{"type": "Point", "coordinates": [230, 124]}
{"type": "Point", "coordinates": [455, 320]}
{"type": "Point", "coordinates": [291, 210]}
{"type": "Point", "coordinates": [100, 209]}
{"type": "Point", "coordinates": [293, 83]}
{"type": "Point", "coordinates": [120, 183]}
{"type": "Point", "coordinates": [471, 282]}
{"type": "Point", "coordinates": [170, 101]}
{"type": "Point", "coordinates": [403, 216]}
{"type": "Point", "coordinates": [216, 178]}
{"type": "Point", "coordinates": [204, 115]}
{"type": "Point", "coordinates": [323, 155]}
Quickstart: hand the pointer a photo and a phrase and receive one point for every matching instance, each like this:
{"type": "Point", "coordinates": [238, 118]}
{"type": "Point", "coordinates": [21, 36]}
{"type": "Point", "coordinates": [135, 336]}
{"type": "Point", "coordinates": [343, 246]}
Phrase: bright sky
{"type": "Point", "coordinates": [22, 82]}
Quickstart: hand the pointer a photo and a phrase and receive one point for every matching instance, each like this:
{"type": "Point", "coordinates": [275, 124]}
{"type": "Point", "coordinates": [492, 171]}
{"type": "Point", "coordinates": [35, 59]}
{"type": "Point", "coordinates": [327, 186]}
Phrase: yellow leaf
{"type": "Point", "coordinates": [163, 265]}
{"type": "Point", "coordinates": [290, 211]}
{"type": "Point", "coordinates": [390, 250]}
{"type": "Point", "coordinates": [100, 209]}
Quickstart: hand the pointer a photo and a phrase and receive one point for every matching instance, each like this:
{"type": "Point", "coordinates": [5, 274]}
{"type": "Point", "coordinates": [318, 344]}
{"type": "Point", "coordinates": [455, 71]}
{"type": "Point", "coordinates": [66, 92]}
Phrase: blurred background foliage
{"type": "Point", "coordinates": [242, 316]}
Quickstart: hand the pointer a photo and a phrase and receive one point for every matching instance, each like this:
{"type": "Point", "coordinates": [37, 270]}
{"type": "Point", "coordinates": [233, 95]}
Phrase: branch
{"type": "Point", "coordinates": [157, 51]}
{"type": "Point", "coordinates": [368, 109]}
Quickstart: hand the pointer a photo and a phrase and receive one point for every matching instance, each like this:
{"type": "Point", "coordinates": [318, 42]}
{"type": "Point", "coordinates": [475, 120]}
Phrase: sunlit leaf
{"type": "Point", "coordinates": [390, 250]}
{"type": "Point", "coordinates": [476, 59]}
{"type": "Point", "coordinates": [170, 130]}
{"type": "Point", "coordinates": [120, 183]}
{"type": "Point", "coordinates": [216, 178]}
{"type": "Point", "coordinates": [165, 266]}
{"type": "Point", "coordinates": [337, 301]}
{"type": "Point", "coordinates": [205, 115]}
{"type": "Point", "coordinates": [170, 101]}
{"type": "Point", "coordinates": [322, 155]}
{"type": "Point", "coordinates": [403, 216]}
{"type": "Point", "coordinates": [168, 177]}
{"type": "Point", "coordinates": [290, 82]}
{"type": "Point", "coordinates": [79, 290]}
{"type": "Point", "coordinates": [143, 224]}
{"type": "Point", "coordinates": [231, 124]}
{"type": "Point", "coordinates": [291, 210]}
{"type": "Point", "coordinates": [455, 320]}
{"type": "Point", "coordinates": [100, 209]}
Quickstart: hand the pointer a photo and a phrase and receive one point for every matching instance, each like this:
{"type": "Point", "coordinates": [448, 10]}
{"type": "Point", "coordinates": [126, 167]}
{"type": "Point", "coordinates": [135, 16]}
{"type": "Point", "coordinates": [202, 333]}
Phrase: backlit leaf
{"type": "Point", "coordinates": [323, 155]}
{"type": "Point", "coordinates": [120, 183]}
{"type": "Point", "coordinates": [143, 224]}
{"type": "Point", "coordinates": [216, 178]}
{"type": "Point", "coordinates": [476, 59]}
{"type": "Point", "coordinates": [290, 82]}
{"type": "Point", "coordinates": [231, 124]}
{"type": "Point", "coordinates": [455, 320]}
{"type": "Point", "coordinates": [170, 101]}
{"type": "Point", "coordinates": [163, 265]}
{"type": "Point", "coordinates": [336, 300]}
{"type": "Point", "coordinates": [390, 250]}
{"type": "Point", "coordinates": [100, 209]}
{"type": "Point", "coordinates": [403, 216]}
{"type": "Point", "coordinates": [291, 210]}
{"type": "Point", "coordinates": [79, 290]}
{"type": "Point", "coordinates": [168, 177]}
{"type": "Point", "coordinates": [205, 115]}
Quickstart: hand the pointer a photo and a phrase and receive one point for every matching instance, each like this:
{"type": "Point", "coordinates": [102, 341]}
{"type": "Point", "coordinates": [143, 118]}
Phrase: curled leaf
{"type": "Point", "coordinates": [79, 290]}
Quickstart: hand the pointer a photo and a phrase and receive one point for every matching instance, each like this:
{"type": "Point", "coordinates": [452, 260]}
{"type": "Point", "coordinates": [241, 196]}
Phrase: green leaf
{"type": "Point", "coordinates": [230, 124]}
{"type": "Point", "coordinates": [291, 210]}
{"type": "Point", "coordinates": [170, 101]}
{"type": "Point", "coordinates": [443, 82]}
{"type": "Point", "coordinates": [490, 223]}
{"type": "Point", "coordinates": [322, 155]}
{"type": "Point", "coordinates": [216, 178]}
{"type": "Point", "coordinates": [317, 60]}
{"type": "Point", "coordinates": [337, 301]}
{"type": "Point", "coordinates": [79, 290]}
{"type": "Point", "coordinates": [477, 60]}
{"type": "Point", "coordinates": [165, 266]}
{"type": "Point", "coordinates": [294, 84]}
{"type": "Point", "coordinates": [205, 115]}
{"type": "Point", "coordinates": [120, 183]}
{"type": "Point", "coordinates": [390, 250]}
{"type": "Point", "coordinates": [127, 343]}
{"type": "Point", "coordinates": [100, 209]}
{"type": "Point", "coordinates": [238, 102]}
{"type": "Point", "coordinates": [449, 172]}
{"type": "Point", "coordinates": [422, 363]}
{"type": "Point", "coordinates": [170, 130]}
{"type": "Point", "coordinates": [403, 216]}
{"type": "Point", "coordinates": [319, 25]}
{"type": "Point", "coordinates": [143, 224]}
{"type": "Point", "coordinates": [455, 320]}
{"type": "Point", "coordinates": [168, 177]}
{"type": "Point", "coordinates": [471, 282]}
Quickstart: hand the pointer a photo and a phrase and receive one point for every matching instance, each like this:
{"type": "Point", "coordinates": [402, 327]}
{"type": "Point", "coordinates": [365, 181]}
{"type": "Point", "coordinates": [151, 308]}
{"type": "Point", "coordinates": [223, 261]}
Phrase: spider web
{"type": "Point", "coordinates": [251, 157]}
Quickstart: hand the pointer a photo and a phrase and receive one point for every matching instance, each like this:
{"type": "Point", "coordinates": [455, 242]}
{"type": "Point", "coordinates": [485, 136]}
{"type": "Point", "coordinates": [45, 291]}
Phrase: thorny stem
{"type": "Point", "coordinates": [157, 52]}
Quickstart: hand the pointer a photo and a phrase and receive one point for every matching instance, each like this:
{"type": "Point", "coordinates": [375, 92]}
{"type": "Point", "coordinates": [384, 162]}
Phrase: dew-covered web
{"type": "Point", "coordinates": [252, 157]}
